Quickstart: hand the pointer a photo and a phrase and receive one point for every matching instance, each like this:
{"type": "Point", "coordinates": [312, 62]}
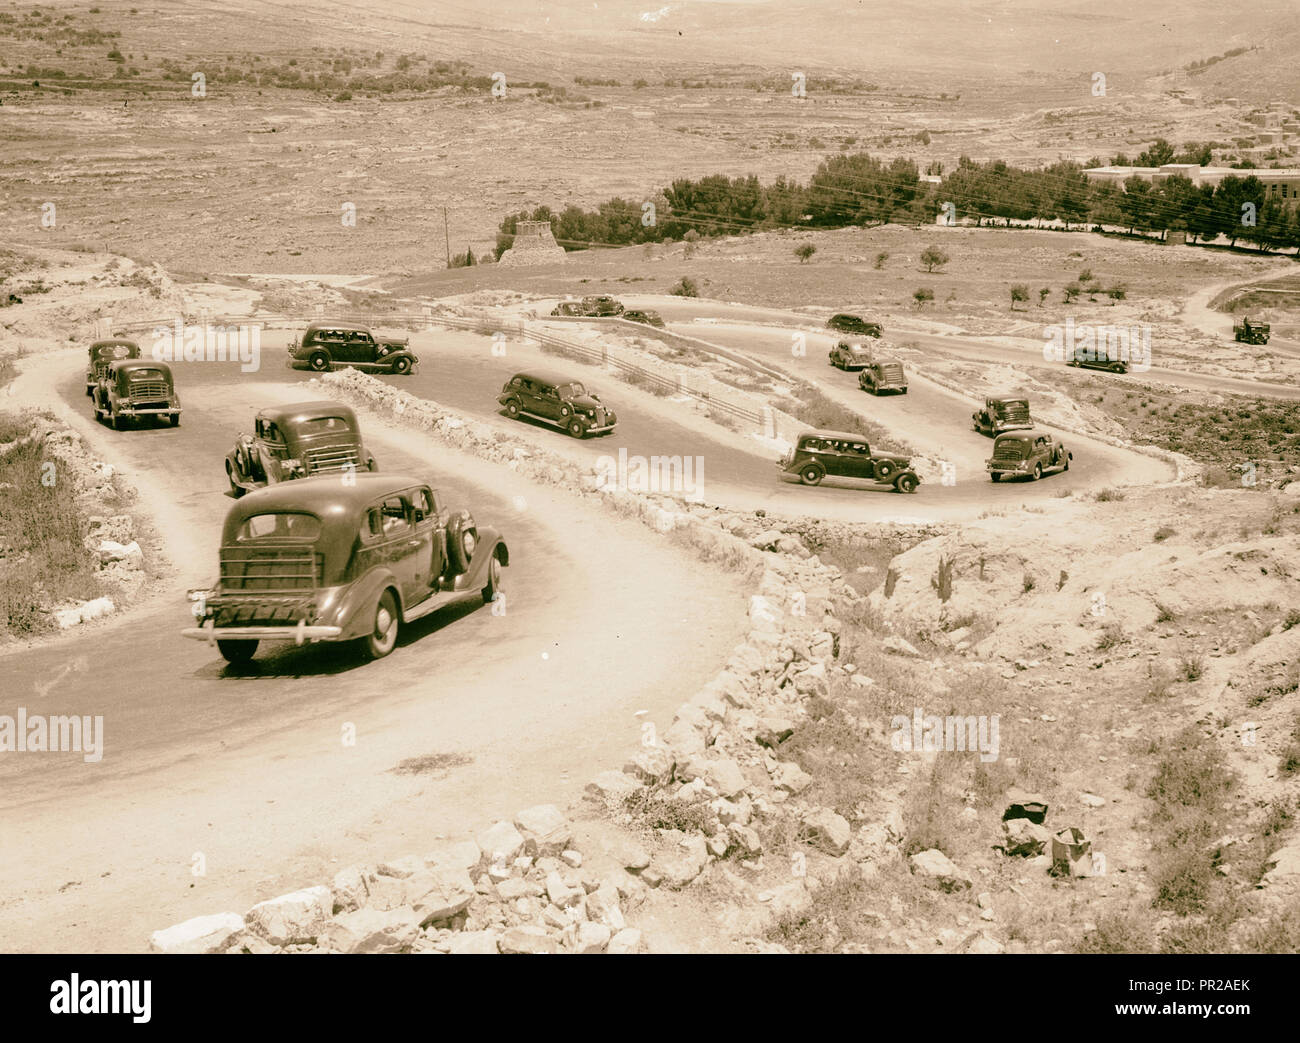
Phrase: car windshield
{"type": "Point", "coordinates": [323, 425]}
{"type": "Point", "coordinates": [279, 526]}
{"type": "Point", "coordinates": [571, 390]}
{"type": "Point", "coordinates": [113, 351]}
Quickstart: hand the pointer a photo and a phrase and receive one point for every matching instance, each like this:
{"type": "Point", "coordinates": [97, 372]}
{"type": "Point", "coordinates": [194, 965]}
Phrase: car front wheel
{"type": "Point", "coordinates": [512, 409]}
{"type": "Point", "coordinates": [383, 634]}
{"type": "Point", "coordinates": [493, 587]}
{"type": "Point", "coordinates": [402, 365]}
{"type": "Point", "coordinates": [1038, 471]}
{"type": "Point", "coordinates": [577, 428]}
{"type": "Point", "coordinates": [994, 476]}
{"type": "Point", "coordinates": [237, 652]}
{"type": "Point", "coordinates": [906, 483]}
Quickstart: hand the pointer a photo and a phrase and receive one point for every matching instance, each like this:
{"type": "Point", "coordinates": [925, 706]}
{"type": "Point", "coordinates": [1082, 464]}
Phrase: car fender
{"type": "Point", "coordinates": [353, 611]}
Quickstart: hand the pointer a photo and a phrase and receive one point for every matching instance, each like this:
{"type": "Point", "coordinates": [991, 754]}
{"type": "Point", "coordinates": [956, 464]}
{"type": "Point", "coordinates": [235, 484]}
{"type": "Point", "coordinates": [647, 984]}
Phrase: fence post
{"type": "Point", "coordinates": [769, 423]}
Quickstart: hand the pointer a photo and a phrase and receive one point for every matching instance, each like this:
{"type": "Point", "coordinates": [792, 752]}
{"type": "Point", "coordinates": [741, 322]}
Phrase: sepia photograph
{"type": "Point", "coordinates": [709, 477]}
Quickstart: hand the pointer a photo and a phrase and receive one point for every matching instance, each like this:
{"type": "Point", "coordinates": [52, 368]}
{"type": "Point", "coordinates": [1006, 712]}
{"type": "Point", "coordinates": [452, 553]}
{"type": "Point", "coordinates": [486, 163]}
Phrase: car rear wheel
{"type": "Point", "coordinates": [577, 428]}
{"type": "Point", "coordinates": [319, 361]}
{"type": "Point", "coordinates": [237, 652]}
{"type": "Point", "coordinates": [494, 580]}
{"type": "Point", "coordinates": [512, 408]}
{"type": "Point", "coordinates": [906, 483]}
{"type": "Point", "coordinates": [382, 638]}
{"type": "Point", "coordinates": [811, 476]}
{"type": "Point", "coordinates": [117, 422]}
{"type": "Point", "coordinates": [1038, 471]}
{"type": "Point", "coordinates": [402, 365]}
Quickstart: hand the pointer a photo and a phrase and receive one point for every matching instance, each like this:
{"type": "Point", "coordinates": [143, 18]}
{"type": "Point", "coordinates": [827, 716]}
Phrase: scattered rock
{"type": "Point", "coordinates": [202, 934]}
{"type": "Point", "coordinates": [293, 918]}
{"type": "Point", "coordinates": [936, 866]}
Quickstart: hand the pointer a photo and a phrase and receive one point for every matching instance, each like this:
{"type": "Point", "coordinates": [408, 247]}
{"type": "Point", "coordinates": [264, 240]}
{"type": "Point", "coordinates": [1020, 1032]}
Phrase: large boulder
{"type": "Point", "coordinates": [828, 831]}
{"type": "Point", "coordinates": [529, 940]}
{"type": "Point", "coordinates": [202, 934]}
{"type": "Point", "coordinates": [372, 931]}
{"type": "Point", "coordinates": [936, 867]}
{"type": "Point", "coordinates": [544, 829]}
{"type": "Point", "coordinates": [501, 843]}
{"type": "Point", "coordinates": [440, 893]}
{"type": "Point", "coordinates": [294, 918]}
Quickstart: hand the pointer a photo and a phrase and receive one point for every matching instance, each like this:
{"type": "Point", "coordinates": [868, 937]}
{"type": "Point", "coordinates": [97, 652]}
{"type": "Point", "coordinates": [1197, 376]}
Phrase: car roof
{"type": "Point", "coordinates": [885, 360]}
{"type": "Point", "coordinates": [1030, 432]}
{"type": "Point", "coordinates": [126, 365]}
{"type": "Point", "coordinates": [1008, 398]}
{"type": "Point", "coordinates": [297, 411]}
{"type": "Point", "coordinates": [315, 326]}
{"type": "Point", "coordinates": [546, 376]}
{"type": "Point", "coordinates": [324, 495]}
{"type": "Point", "coordinates": [846, 315]}
{"type": "Point", "coordinates": [839, 436]}
{"type": "Point", "coordinates": [112, 341]}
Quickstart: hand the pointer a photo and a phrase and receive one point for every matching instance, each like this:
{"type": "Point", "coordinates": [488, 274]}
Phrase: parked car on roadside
{"type": "Point", "coordinates": [135, 389]}
{"type": "Point", "coordinates": [854, 324]}
{"type": "Point", "coordinates": [557, 400]}
{"type": "Point", "coordinates": [102, 352]}
{"type": "Point", "coordinates": [1000, 414]}
{"type": "Point", "coordinates": [650, 318]}
{"type": "Point", "coordinates": [568, 308]}
{"type": "Point", "coordinates": [301, 440]}
{"type": "Point", "coordinates": [883, 374]}
{"type": "Point", "coordinates": [601, 305]}
{"type": "Point", "coordinates": [325, 345]}
{"type": "Point", "coordinates": [849, 356]}
{"type": "Point", "coordinates": [1027, 454]}
{"type": "Point", "coordinates": [329, 561]}
{"type": "Point", "coordinates": [838, 454]}
{"type": "Point", "coordinates": [1251, 332]}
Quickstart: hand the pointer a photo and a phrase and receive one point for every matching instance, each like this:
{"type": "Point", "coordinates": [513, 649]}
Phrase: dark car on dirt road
{"type": "Point", "coordinates": [557, 400]}
{"type": "Point", "coordinates": [1000, 413]}
{"type": "Point", "coordinates": [854, 324]}
{"type": "Point", "coordinates": [650, 318]}
{"type": "Point", "coordinates": [849, 356]}
{"type": "Point", "coordinates": [326, 345]}
{"type": "Point", "coordinates": [102, 352]}
{"type": "Point", "coordinates": [1091, 358]}
{"type": "Point", "coordinates": [136, 389]}
{"type": "Point", "coordinates": [601, 305]}
{"type": "Point", "coordinates": [883, 374]}
{"type": "Point", "coordinates": [1251, 332]}
{"type": "Point", "coordinates": [302, 440]}
{"type": "Point", "coordinates": [838, 454]}
{"type": "Point", "coordinates": [327, 561]}
{"type": "Point", "coordinates": [1027, 454]}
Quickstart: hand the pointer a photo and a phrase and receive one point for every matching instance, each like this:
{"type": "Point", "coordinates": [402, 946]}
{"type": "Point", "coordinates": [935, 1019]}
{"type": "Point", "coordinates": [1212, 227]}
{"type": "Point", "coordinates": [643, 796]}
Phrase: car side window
{"type": "Point", "coordinates": [422, 501]}
{"type": "Point", "coordinates": [394, 517]}
{"type": "Point", "coordinates": [516, 382]}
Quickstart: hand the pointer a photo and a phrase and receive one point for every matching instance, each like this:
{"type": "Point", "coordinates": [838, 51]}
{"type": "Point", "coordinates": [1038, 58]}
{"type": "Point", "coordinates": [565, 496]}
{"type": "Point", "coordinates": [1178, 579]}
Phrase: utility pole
{"type": "Point", "coordinates": [447, 235]}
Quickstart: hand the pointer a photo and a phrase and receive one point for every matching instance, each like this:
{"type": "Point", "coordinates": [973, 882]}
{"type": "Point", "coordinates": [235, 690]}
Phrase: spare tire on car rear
{"type": "Point", "coordinates": [462, 539]}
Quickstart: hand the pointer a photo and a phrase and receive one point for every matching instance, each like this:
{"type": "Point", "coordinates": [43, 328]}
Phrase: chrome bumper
{"type": "Point", "coordinates": [297, 634]}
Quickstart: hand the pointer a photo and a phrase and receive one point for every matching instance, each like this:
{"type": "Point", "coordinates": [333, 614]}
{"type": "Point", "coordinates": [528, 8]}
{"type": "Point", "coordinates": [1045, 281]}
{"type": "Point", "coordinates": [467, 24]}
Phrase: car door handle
{"type": "Point", "coordinates": [414, 543]}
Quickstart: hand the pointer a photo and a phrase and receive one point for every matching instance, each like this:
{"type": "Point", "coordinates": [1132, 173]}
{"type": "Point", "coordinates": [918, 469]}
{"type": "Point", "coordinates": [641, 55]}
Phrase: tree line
{"type": "Point", "coordinates": [861, 189]}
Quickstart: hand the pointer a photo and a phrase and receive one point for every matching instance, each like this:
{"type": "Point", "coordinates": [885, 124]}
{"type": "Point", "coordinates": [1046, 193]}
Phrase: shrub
{"type": "Point", "coordinates": [685, 288]}
{"type": "Point", "coordinates": [1163, 533]}
{"type": "Point", "coordinates": [922, 295]}
{"type": "Point", "coordinates": [932, 257]}
{"type": "Point", "coordinates": [804, 252]}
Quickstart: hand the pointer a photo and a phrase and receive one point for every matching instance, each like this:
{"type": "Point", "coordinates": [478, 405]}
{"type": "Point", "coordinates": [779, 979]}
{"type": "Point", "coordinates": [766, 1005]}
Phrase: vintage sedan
{"type": "Point", "coordinates": [297, 441]}
{"type": "Point", "coordinates": [135, 389]}
{"type": "Point", "coordinates": [646, 316]}
{"type": "Point", "coordinates": [102, 352]}
{"type": "Point", "coordinates": [1027, 454]}
{"type": "Point", "coordinates": [883, 374]}
{"type": "Point", "coordinates": [849, 356]}
{"type": "Point", "coordinates": [854, 324]}
{"type": "Point", "coordinates": [326, 345]}
{"type": "Point", "coordinates": [602, 304]}
{"type": "Point", "coordinates": [1248, 332]}
{"type": "Point", "coordinates": [327, 561]}
{"type": "Point", "coordinates": [556, 400]}
{"type": "Point", "coordinates": [839, 454]}
{"type": "Point", "coordinates": [1000, 414]}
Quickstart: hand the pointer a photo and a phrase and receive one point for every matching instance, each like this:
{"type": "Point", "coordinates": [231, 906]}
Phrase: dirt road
{"type": "Point", "coordinates": [250, 772]}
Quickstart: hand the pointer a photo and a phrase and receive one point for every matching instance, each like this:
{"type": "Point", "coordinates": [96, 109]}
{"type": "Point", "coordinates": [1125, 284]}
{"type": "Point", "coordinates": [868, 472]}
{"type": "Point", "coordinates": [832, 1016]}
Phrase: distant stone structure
{"type": "Point", "coordinates": [534, 244]}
